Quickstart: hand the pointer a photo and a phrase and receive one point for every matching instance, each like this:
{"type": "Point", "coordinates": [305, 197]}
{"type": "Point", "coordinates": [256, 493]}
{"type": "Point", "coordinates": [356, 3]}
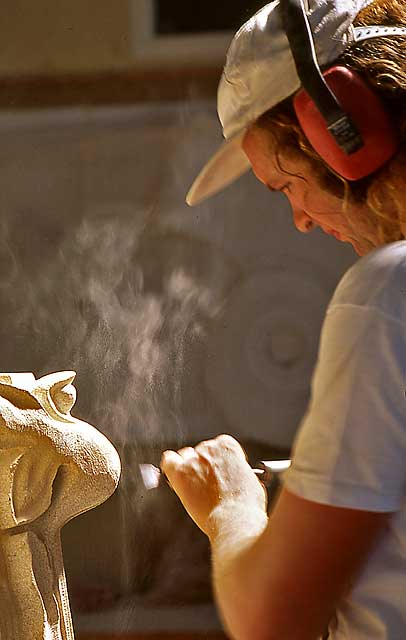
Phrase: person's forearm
{"type": "Point", "coordinates": [238, 578]}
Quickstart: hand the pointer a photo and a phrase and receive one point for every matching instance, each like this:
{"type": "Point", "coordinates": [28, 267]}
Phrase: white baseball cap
{"type": "Point", "coordinates": [260, 72]}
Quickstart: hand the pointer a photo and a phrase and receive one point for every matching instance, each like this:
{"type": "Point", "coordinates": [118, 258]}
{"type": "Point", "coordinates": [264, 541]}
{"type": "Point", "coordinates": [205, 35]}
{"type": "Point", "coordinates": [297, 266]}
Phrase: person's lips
{"type": "Point", "coordinates": [333, 233]}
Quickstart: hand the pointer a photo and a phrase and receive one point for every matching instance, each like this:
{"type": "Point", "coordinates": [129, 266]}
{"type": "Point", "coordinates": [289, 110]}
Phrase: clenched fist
{"type": "Point", "coordinates": [214, 474]}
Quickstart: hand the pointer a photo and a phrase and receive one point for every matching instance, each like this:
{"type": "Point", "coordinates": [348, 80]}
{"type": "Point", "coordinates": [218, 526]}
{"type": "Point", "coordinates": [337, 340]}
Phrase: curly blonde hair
{"type": "Point", "coordinates": [382, 62]}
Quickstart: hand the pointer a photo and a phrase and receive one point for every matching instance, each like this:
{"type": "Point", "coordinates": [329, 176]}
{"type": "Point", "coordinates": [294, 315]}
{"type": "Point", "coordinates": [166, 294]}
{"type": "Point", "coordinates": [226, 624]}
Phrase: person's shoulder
{"type": "Point", "coordinates": [385, 266]}
{"type": "Point", "coordinates": [378, 280]}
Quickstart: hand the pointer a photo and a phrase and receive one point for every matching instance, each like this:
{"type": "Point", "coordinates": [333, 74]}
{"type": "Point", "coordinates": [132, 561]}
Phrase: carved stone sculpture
{"type": "Point", "coordinates": [53, 467]}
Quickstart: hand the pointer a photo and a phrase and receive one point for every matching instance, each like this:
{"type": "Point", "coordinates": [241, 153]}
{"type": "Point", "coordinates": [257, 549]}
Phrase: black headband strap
{"type": "Point", "coordinates": [300, 37]}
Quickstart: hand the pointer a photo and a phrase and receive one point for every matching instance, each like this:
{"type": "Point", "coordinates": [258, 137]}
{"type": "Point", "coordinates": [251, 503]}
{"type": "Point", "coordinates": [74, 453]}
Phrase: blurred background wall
{"type": "Point", "coordinates": [181, 324]}
{"type": "Point", "coordinates": [64, 37]}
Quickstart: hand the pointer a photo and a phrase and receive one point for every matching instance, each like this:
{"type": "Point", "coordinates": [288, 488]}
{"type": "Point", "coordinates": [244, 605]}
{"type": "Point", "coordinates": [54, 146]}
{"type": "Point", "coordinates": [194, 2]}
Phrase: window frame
{"type": "Point", "coordinates": [152, 50]}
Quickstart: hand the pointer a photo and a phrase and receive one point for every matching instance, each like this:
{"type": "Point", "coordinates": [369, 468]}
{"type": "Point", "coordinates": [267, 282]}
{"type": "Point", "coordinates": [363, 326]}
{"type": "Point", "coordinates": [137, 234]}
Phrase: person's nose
{"type": "Point", "coordinates": [302, 221]}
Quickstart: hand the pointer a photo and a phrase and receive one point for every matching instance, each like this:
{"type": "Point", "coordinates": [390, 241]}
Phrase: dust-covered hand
{"type": "Point", "coordinates": [211, 476]}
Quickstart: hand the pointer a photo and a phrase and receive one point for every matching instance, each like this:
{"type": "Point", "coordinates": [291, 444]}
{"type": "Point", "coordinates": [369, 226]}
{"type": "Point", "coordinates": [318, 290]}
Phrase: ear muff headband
{"type": "Point", "coordinates": [342, 117]}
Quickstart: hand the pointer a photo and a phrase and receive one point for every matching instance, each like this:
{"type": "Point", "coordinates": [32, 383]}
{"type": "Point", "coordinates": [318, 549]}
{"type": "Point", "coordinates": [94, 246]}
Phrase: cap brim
{"type": "Point", "coordinates": [228, 164]}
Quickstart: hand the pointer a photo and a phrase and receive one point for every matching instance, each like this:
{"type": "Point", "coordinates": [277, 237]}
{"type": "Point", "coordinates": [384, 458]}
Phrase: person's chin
{"type": "Point", "coordinates": [358, 248]}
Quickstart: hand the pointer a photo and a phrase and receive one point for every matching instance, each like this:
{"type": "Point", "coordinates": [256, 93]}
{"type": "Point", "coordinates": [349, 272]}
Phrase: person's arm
{"type": "Point", "coordinates": [286, 582]}
{"type": "Point", "coordinates": [279, 578]}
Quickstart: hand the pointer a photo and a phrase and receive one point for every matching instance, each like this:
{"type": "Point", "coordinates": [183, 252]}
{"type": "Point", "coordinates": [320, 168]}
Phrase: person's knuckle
{"type": "Point", "coordinates": [166, 458]}
{"type": "Point", "coordinates": [231, 444]}
{"type": "Point", "coordinates": [206, 446]}
{"type": "Point", "coordinates": [186, 451]}
{"type": "Point", "coordinates": [227, 441]}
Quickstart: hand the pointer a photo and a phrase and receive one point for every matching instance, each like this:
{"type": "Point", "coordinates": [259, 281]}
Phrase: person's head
{"type": "Point", "coordinates": [367, 212]}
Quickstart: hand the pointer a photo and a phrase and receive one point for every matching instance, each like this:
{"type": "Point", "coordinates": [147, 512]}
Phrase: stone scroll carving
{"type": "Point", "coordinates": [53, 467]}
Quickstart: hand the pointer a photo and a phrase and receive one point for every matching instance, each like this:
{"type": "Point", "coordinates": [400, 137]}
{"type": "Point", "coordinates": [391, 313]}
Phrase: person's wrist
{"type": "Point", "coordinates": [233, 519]}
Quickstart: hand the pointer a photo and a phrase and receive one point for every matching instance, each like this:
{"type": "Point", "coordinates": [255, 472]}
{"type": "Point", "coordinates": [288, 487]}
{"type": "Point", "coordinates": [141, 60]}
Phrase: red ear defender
{"type": "Point", "coordinates": [368, 115]}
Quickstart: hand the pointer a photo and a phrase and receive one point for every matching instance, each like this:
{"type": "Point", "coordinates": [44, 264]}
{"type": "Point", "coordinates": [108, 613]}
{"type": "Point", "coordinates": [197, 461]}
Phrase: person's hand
{"type": "Point", "coordinates": [214, 474]}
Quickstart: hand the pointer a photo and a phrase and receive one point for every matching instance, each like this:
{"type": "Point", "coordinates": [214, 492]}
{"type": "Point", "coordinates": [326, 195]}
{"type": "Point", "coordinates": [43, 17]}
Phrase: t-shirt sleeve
{"type": "Point", "coordinates": [350, 449]}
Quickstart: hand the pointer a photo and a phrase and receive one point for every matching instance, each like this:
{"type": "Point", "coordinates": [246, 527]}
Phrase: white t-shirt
{"type": "Point", "coordinates": [350, 450]}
